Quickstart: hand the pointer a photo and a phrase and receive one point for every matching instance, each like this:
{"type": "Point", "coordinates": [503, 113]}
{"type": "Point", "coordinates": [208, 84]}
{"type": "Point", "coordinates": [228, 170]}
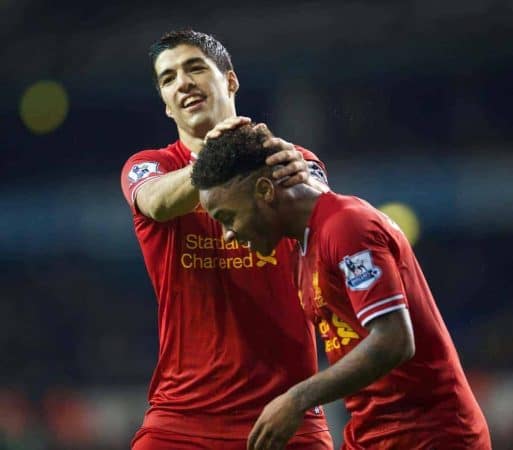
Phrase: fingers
{"type": "Point", "coordinates": [282, 146]}
{"type": "Point", "coordinates": [296, 168]}
{"type": "Point", "coordinates": [227, 124]}
{"type": "Point", "coordinates": [298, 178]}
{"type": "Point", "coordinates": [259, 439]}
{"type": "Point", "coordinates": [261, 126]}
{"type": "Point", "coordinates": [253, 436]}
{"type": "Point", "coordinates": [266, 441]}
{"type": "Point", "coordinates": [291, 168]}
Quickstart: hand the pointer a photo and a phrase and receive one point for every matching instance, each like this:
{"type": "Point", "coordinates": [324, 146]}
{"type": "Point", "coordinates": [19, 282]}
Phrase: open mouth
{"type": "Point", "coordinates": [193, 102]}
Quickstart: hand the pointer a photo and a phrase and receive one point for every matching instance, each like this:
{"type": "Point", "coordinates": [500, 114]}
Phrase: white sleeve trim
{"type": "Point", "coordinates": [381, 302]}
{"type": "Point", "coordinates": [381, 312]}
{"type": "Point", "coordinates": [134, 192]}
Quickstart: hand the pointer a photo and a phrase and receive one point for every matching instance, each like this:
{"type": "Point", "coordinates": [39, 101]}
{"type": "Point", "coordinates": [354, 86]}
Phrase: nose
{"type": "Point", "coordinates": [184, 81]}
{"type": "Point", "coordinates": [229, 235]}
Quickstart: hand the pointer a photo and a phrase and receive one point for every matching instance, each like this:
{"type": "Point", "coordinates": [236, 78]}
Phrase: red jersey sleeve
{"type": "Point", "coordinates": [360, 246]}
{"type": "Point", "coordinates": [144, 166]}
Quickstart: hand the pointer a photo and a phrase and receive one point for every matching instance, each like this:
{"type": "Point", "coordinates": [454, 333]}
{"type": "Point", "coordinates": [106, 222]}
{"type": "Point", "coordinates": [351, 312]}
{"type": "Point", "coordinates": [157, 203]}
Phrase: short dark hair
{"type": "Point", "coordinates": [237, 152]}
{"type": "Point", "coordinates": [207, 43]}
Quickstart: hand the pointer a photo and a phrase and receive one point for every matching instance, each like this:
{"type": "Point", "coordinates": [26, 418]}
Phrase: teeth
{"type": "Point", "coordinates": [191, 100]}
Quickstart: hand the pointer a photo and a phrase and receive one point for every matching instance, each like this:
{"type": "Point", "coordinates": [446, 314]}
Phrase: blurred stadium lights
{"type": "Point", "coordinates": [44, 106]}
{"type": "Point", "coordinates": [405, 218]}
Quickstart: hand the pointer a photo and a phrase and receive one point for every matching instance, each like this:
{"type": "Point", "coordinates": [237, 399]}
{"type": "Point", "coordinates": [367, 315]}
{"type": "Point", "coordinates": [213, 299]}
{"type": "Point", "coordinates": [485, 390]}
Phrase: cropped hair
{"type": "Point", "coordinates": [207, 43]}
{"type": "Point", "coordinates": [236, 152]}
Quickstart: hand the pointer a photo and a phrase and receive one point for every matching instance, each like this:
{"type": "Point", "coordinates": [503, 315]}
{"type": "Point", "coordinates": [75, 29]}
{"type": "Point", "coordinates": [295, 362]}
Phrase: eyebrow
{"type": "Point", "coordinates": [187, 62]}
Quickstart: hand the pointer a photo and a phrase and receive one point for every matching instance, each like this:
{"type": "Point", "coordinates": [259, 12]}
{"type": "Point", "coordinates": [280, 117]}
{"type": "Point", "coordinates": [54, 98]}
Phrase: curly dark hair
{"type": "Point", "coordinates": [207, 43]}
{"type": "Point", "coordinates": [237, 152]}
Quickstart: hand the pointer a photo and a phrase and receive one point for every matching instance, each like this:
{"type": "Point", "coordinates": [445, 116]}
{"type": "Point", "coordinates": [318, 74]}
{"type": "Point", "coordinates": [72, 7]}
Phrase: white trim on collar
{"type": "Point", "coordinates": [304, 247]}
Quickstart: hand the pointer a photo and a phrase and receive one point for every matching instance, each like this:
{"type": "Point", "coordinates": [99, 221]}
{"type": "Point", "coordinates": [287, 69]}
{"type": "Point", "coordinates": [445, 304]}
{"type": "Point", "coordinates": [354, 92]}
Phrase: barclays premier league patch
{"type": "Point", "coordinates": [142, 170]}
{"type": "Point", "coordinates": [359, 270]}
{"type": "Point", "coordinates": [317, 172]}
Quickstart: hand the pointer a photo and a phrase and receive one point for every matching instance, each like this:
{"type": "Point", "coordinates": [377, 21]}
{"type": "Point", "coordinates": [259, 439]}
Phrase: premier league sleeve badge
{"type": "Point", "coordinates": [360, 271]}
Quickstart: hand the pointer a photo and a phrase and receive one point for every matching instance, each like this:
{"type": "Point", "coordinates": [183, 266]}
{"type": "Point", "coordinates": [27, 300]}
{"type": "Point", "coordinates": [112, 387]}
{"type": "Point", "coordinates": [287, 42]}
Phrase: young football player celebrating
{"type": "Point", "coordinates": [392, 358]}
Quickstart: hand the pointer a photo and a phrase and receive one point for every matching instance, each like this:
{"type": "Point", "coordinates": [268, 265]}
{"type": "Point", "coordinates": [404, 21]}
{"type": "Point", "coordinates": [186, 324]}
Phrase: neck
{"type": "Point", "coordinates": [298, 205]}
{"type": "Point", "coordinates": [193, 143]}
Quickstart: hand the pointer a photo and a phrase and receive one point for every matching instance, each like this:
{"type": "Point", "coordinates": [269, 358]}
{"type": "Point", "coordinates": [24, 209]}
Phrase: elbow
{"type": "Point", "coordinates": [408, 350]}
{"type": "Point", "coordinates": [152, 208]}
{"type": "Point", "coordinates": [400, 351]}
{"type": "Point", "coordinates": [405, 350]}
{"type": "Point", "coordinates": [158, 213]}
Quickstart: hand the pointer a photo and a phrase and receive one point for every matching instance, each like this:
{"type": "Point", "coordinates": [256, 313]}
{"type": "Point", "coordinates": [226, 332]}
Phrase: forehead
{"type": "Point", "coordinates": [213, 199]}
{"type": "Point", "coordinates": [221, 198]}
{"type": "Point", "coordinates": [177, 56]}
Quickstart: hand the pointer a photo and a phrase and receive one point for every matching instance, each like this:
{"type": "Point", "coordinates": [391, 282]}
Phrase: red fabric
{"type": "Point", "coordinates": [148, 439]}
{"type": "Point", "coordinates": [232, 333]}
{"type": "Point", "coordinates": [358, 265]}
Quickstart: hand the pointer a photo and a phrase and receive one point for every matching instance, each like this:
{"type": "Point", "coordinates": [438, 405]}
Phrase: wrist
{"type": "Point", "coordinates": [298, 397]}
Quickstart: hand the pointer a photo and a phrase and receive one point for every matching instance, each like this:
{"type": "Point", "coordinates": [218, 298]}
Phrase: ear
{"type": "Point", "coordinates": [168, 112]}
{"type": "Point", "coordinates": [264, 190]}
{"type": "Point", "coordinates": [233, 82]}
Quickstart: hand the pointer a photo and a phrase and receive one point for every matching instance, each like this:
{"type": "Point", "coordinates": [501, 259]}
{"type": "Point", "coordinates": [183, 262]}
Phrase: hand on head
{"type": "Point", "coordinates": [293, 167]}
{"type": "Point", "coordinates": [228, 124]}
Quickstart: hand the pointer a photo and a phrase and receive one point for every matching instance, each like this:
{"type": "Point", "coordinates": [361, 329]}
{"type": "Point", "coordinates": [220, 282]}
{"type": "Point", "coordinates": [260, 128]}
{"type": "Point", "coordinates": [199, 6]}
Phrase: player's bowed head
{"type": "Point", "coordinates": [238, 189]}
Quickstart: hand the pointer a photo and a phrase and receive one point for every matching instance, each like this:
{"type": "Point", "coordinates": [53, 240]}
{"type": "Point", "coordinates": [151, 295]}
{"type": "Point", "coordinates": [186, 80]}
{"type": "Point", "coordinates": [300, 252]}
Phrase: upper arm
{"type": "Point", "coordinates": [140, 172]}
{"type": "Point", "coordinates": [368, 273]}
{"type": "Point", "coordinates": [143, 197]}
{"type": "Point", "coordinates": [395, 331]}
{"type": "Point", "coordinates": [141, 168]}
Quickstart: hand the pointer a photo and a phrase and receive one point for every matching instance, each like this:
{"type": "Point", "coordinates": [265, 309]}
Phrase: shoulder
{"type": "Point", "coordinates": [346, 222]}
{"type": "Point", "coordinates": [163, 159]}
{"type": "Point", "coordinates": [334, 210]}
{"type": "Point", "coordinates": [157, 154]}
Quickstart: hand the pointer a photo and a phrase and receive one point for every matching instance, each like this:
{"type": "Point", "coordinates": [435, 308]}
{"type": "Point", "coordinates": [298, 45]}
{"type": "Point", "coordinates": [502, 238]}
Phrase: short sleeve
{"type": "Point", "coordinates": [360, 251]}
{"type": "Point", "coordinates": [142, 167]}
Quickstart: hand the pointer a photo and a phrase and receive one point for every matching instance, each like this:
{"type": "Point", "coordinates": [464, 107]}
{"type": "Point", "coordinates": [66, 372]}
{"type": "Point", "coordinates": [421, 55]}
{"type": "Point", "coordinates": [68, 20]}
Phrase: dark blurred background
{"type": "Point", "coordinates": [408, 104]}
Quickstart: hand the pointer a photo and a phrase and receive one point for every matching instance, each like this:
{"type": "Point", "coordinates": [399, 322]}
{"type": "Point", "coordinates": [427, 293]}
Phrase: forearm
{"type": "Point", "coordinates": [366, 363]}
{"type": "Point", "coordinates": [169, 196]}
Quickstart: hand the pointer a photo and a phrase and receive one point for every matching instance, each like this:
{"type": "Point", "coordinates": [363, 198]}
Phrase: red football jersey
{"type": "Point", "coordinates": [358, 265]}
{"type": "Point", "coordinates": [232, 332]}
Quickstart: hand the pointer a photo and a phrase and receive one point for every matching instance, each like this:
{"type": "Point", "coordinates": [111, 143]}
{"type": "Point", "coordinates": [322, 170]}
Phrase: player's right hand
{"type": "Point", "coordinates": [228, 124]}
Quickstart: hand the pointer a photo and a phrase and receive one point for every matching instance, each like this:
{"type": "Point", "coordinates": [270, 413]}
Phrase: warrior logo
{"type": "Point", "coordinates": [359, 270]}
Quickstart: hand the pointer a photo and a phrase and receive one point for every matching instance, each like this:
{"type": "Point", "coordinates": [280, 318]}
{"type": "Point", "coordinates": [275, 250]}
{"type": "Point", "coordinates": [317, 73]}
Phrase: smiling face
{"type": "Point", "coordinates": [196, 93]}
{"type": "Point", "coordinates": [246, 213]}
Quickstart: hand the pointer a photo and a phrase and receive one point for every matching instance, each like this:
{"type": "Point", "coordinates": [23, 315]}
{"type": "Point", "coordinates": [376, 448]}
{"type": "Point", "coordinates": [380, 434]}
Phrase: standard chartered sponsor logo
{"type": "Point", "coordinates": [192, 259]}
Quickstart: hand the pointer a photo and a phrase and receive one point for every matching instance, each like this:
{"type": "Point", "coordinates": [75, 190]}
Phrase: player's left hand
{"type": "Point", "coordinates": [228, 124]}
{"type": "Point", "coordinates": [277, 423]}
{"type": "Point", "coordinates": [295, 168]}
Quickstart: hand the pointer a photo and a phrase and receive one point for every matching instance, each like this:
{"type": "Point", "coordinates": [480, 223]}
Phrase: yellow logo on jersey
{"type": "Point", "coordinates": [192, 259]}
{"type": "Point", "coordinates": [318, 298]}
{"type": "Point", "coordinates": [345, 333]}
{"type": "Point", "coordinates": [263, 260]}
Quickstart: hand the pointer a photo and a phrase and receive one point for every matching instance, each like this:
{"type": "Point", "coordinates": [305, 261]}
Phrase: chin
{"type": "Point", "coordinates": [201, 120]}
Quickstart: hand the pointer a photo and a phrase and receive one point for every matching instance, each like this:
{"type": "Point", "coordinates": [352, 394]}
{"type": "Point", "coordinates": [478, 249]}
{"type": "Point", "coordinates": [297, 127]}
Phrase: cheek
{"type": "Point", "coordinates": [167, 97]}
{"type": "Point", "coordinates": [260, 225]}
